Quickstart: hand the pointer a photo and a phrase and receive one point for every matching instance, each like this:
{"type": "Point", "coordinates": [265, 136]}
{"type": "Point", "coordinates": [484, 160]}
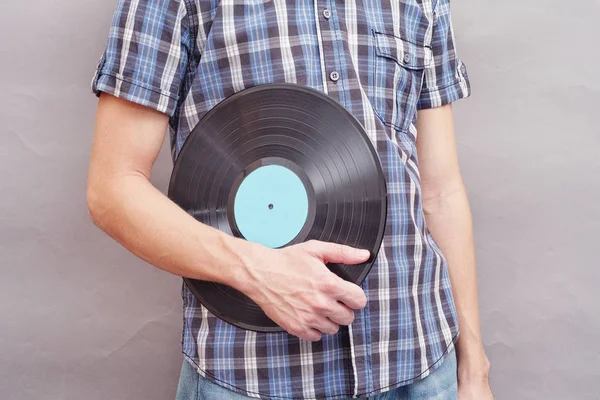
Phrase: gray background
{"type": "Point", "coordinates": [81, 318]}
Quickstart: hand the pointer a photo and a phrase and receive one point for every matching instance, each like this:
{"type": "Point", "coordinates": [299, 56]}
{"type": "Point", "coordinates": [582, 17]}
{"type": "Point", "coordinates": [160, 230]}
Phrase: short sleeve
{"type": "Point", "coordinates": [146, 56]}
{"type": "Point", "coordinates": [446, 78]}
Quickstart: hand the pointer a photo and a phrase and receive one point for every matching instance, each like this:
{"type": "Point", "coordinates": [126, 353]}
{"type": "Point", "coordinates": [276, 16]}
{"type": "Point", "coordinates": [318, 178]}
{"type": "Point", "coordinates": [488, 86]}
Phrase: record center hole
{"type": "Point", "coordinates": [270, 206]}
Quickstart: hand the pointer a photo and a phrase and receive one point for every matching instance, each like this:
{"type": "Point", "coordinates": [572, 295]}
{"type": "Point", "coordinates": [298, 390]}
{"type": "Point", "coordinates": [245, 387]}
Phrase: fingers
{"type": "Point", "coordinates": [325, 317]}
{"type": "Point", "coordinates": [337, 253]}
{"type": "Point", "coordinates": [341, 315]}
{"type": "Point", "coordinates": [313, 335]}
{"type": "Point", "coordinates": [329, 324]}
{"type": "Point", "coordinates": [346, 292]}
{"type": "Point", "coordinates": [350, 294]}
{"type": "Point", "coordinates": [306, 332]}
{"type": "Point", "coordinates": [325, 325]}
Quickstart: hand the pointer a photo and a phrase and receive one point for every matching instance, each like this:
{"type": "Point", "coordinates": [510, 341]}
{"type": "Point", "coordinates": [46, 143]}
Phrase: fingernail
{"type": "Point", "coordinates": [364, 253]}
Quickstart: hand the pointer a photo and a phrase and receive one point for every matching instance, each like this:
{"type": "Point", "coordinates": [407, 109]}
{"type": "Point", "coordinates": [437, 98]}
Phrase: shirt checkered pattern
{"type": "Point", "coordinates": [182, 57]}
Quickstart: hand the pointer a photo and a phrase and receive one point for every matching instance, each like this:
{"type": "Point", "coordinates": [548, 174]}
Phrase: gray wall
{"type": "Point", "coordinates": [80, 318]}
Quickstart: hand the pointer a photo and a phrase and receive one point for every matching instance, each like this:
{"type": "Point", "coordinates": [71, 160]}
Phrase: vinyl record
{"type": "Point", "coordinates": [280, 164]}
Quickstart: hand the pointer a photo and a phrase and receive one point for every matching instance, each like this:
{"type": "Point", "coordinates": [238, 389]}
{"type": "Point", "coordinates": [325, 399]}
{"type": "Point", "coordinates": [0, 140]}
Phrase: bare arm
{"type": "Point", "coordinates": [305, 298]}
{"type": "Point", "coordinates": [448, 217]}
{"type": "Point", "coordinates": [124, 203]}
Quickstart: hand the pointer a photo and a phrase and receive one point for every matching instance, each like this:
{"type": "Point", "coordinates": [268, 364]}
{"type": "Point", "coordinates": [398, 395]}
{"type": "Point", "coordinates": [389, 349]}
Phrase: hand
{"type": "Point", "coordinates": [473, 379]}
{"type": "Point", "coordinates": [295, 289]}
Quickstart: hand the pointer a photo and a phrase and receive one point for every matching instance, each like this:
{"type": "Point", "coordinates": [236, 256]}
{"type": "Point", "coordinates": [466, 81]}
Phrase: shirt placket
{"type": "Point", "coordinates": [329, 47]}
{"type": "Point", "coordinates": [334, 73]}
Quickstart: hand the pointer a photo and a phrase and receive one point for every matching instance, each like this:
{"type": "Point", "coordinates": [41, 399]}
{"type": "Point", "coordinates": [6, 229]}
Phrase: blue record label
{"type": "Point", "coordinates": [271, 206]}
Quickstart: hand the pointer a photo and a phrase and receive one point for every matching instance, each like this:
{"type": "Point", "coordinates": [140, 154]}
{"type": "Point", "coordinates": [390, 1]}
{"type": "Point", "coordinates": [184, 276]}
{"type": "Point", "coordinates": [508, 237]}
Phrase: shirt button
{"type": "Point", "coordinates": [326, 13]}
{"type": "Point", "coordinates": [334, 76]}
{"type": "Point", "coordinates": [406, 57]}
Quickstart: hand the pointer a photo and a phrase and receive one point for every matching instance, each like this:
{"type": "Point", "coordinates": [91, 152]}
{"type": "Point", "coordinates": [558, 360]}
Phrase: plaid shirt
{"type": "Point", "coordinates": [381, 60]}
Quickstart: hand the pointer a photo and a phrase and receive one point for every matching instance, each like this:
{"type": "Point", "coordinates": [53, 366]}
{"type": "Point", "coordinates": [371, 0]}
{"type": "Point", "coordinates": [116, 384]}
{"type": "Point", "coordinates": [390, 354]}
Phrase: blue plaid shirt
{"type": "Point", "coordinates": [381, 60]}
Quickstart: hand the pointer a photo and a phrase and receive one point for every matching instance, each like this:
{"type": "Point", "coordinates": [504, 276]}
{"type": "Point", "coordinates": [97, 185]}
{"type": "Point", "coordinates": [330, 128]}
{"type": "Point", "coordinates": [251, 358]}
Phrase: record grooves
{"type": "Point", "coordinates": [280, 164]}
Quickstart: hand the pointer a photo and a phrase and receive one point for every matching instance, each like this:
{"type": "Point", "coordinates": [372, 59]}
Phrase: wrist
{"type": "Point", "coordinates": [473, 363]}
{"type": "Point", "coordinates": [245, 255]}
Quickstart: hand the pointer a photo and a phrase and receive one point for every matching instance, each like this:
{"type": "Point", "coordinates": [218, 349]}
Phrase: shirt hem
{"type": "Point", "coordinates": [431, 368]}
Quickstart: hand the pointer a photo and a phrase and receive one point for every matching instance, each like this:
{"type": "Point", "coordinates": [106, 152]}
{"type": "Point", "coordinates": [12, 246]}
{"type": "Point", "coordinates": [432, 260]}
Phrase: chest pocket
{"type": "Point", "coordinates": [397, 78]}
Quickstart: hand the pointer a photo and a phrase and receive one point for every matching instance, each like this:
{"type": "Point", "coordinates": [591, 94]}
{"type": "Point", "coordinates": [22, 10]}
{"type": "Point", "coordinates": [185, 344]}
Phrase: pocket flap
{"type": "Point", "coordinates": [407, 54]}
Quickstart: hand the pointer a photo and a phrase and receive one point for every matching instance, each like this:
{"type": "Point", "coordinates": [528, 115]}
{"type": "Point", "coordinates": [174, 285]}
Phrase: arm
{"type": "Point", "coordinates": [123, 202]}
{"type": "Point", "coordinates": [449, 220]}
{"type": "Point", "coordinates": [306, 298]}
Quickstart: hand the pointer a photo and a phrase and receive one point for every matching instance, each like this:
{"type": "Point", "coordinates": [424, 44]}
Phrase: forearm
{"type": "Point", "coordinates": [151, 226]}
{"type": "Point", "coordinates": [449, 220]}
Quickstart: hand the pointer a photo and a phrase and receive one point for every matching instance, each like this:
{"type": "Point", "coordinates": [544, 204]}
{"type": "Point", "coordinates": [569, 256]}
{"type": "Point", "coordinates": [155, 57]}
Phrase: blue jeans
{"type": "Point", "coordinates": [440, 385]}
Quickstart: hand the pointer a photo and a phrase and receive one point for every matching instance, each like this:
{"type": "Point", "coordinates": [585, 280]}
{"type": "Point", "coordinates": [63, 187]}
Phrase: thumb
{"type": "Point", "coordinates": [339, 253]}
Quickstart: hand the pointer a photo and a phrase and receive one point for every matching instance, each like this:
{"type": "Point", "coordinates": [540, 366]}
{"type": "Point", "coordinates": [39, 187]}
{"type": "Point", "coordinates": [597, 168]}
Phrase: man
{"type": "Point", "coordinates": [393, 65]}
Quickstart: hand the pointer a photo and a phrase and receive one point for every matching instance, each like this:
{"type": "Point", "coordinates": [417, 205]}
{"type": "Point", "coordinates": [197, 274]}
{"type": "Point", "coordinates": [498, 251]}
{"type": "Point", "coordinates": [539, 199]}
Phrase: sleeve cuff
{"type": "Point", "coordinates": [440, 96]}
{"type": "Point", "coordinates": [136, 92]}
